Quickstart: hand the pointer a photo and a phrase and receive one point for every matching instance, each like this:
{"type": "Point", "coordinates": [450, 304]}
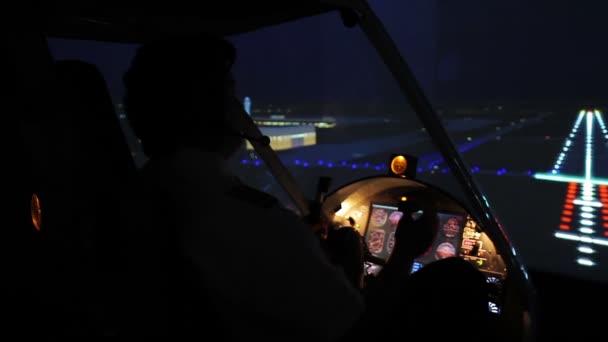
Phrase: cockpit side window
{"type": "Point", "coordinates": [112, 59]}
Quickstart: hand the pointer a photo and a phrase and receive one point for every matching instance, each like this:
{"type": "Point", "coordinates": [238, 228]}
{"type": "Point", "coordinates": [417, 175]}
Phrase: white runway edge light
{"type": "Point", "coordinates": [584, 221]}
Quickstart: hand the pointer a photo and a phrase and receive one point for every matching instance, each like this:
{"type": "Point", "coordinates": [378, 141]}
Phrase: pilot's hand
{"type": "Point", "coordinates": [414, 236]}
{"type": "Point", "coordinates": [320, 228]}
{"type": "Point", "coordinates": [318, 224]}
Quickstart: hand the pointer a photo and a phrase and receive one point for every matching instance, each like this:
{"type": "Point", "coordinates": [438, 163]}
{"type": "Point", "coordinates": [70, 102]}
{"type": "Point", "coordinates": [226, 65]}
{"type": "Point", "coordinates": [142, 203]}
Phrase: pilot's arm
{"type": "Point", "coordinates": [262, 261]}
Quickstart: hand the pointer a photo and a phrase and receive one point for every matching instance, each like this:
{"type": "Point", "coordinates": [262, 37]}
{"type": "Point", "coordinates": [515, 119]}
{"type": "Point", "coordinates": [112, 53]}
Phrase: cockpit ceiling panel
{"type": "Point", "coordinates": [221, 17]}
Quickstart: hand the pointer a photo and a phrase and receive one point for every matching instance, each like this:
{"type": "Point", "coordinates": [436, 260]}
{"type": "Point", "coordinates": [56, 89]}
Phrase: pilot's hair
{"type": "Point", "coordinates": [174, 92]}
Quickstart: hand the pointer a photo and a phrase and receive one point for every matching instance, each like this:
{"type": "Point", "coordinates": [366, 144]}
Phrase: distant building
{"type": "Point", "coordinates": [288, 137]}
{"type": "Point", "coordinates": [286, 132]}
{"type": "Point", "coordinates": [282, 121]}
{"type": "Point", "coordinates": [247, 104]}
{"type": "Point", "coordinates": [284, 116]}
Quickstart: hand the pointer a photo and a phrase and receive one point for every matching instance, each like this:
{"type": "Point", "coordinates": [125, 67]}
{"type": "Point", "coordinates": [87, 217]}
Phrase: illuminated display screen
{"type": "Point", "coordinates": [382, 224]}
{"type": "Point", "coordinates": [448, 240]}
{"type": "Point", "coordinates": [381, 227]}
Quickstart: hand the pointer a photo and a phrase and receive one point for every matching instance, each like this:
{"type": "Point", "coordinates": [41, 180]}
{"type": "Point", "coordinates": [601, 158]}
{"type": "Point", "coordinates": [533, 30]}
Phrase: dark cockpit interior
{"type": "Point", "coordinates": [73, 165]}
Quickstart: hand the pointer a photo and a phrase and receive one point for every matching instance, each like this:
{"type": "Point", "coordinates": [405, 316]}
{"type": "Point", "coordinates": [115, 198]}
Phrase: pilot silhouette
{"type": "Point", "coordinates": [257, 264]}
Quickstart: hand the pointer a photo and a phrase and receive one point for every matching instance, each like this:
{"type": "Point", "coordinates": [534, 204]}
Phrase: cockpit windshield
{"type": "Point", "coordinates": [517, 86]}
{"type": "Point", "coordinates": [534, 73]}
{"type": "Point", "coordinates": [331, 108]}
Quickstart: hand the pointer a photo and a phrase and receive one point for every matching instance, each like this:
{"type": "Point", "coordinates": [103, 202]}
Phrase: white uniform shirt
{"type": "Point", "coordinates": [256, 257]}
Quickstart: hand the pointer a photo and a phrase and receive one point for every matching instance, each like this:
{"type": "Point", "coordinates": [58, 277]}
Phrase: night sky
{"type": "Point", "coordinates": [523, 50]}
{"type": "Point", "coordinates": [472, 51]}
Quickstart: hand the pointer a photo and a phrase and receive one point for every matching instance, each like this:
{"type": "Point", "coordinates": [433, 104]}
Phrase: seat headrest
{"type": "Point", "coordinates": [85, 114]}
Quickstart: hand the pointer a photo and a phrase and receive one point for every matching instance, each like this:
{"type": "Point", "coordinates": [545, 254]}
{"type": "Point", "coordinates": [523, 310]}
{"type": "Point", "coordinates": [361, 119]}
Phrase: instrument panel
{"type": "Point", "coordinates": [371, 206]}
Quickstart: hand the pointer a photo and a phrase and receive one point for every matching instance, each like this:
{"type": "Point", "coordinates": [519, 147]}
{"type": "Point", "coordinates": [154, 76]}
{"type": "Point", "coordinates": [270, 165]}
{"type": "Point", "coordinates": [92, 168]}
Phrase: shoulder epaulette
{"type": "Point", "coordinates": [252, 196]}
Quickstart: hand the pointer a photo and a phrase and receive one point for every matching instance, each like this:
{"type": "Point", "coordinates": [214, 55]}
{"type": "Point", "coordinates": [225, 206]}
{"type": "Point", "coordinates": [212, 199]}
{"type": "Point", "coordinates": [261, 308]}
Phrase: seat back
{"type": "Point", "coordinates": [88, 165]}
{"type": "Point", "coordinates": [19, 240]}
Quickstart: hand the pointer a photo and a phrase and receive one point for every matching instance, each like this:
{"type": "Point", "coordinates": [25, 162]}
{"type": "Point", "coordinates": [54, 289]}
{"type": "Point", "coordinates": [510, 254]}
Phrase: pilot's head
{"type": "Point", "coordinates": [178, 91]}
